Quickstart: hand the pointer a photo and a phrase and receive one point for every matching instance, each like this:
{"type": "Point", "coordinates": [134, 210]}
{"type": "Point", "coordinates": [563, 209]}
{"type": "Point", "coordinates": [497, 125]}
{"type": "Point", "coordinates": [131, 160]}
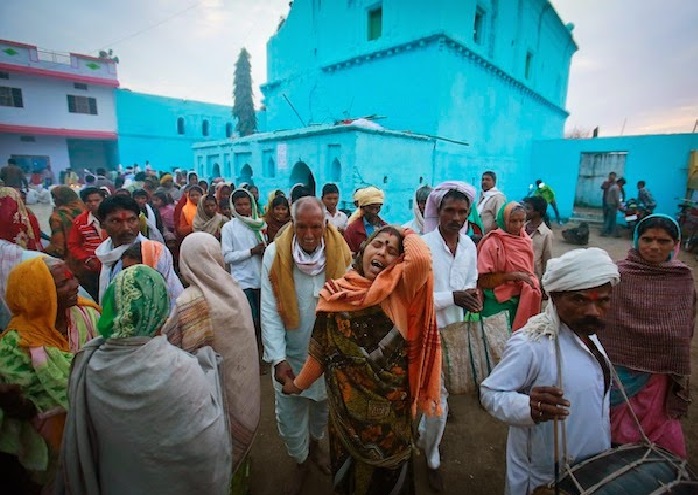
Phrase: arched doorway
{"type": "Point", "coordinates": [301, 174]}
{"type": "Point", "coordinates": [216, 172]}
{"type": "Point", "coordinates": [246, 175]}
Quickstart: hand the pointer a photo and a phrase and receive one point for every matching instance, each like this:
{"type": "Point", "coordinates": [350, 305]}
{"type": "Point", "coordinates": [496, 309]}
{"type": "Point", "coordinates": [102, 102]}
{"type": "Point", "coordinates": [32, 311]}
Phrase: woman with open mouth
{"type": "Point", "coordinates": [375, 339]}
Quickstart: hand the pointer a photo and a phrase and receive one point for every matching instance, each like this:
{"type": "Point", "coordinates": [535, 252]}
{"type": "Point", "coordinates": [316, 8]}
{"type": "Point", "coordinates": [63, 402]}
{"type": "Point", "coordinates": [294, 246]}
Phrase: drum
{"type": "Point", "coordinates": [632, 469]}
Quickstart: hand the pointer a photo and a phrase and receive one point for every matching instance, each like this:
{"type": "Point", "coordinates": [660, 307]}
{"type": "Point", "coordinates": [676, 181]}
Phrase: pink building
{"type": "Point", "coordinates": [56, 109]}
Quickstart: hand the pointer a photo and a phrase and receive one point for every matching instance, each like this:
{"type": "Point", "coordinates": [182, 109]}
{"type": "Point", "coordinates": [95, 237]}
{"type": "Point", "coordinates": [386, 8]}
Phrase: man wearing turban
{"type": "Point", "coordinates": [526, 390]}
{"type": "Point", "coordinates": [420, 203]}
{"type": "Point", "coordinates": [364, 220]}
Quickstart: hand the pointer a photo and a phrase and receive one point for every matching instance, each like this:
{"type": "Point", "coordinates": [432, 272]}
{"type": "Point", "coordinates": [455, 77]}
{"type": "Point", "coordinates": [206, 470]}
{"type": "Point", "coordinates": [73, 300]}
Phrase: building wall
{"type": "Point", "coordinates": [56, 148]}
{"type": "Point", "coordinates": [660, 160]}
{"type": "Point", "coordinates": [46, 105]}
{"type": "Point", "coordinates": [148, 128]}
{"type": "Point", "coordinates": [357, 163]}
{"type": "Point", "coordinates": [322, 60]}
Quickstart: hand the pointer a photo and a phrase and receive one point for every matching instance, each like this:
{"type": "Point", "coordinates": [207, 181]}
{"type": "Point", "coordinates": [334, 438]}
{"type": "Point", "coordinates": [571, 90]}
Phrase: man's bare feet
{"type": "Point", "coordinates": [300, 473]}
{"type": "Point", "coordinates": [319, 457]}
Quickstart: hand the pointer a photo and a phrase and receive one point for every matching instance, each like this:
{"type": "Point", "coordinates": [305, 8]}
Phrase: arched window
{"type": "Point", "coordinates": [228, 130]}
{"type": "Point", "coordinates": [205, 127]}
{"type": "Point", "coordinates": [180, 126]}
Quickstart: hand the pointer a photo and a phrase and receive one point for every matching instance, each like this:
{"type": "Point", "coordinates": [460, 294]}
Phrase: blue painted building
{"type": "Point", "coordinates": [162, 130]}
{"type": "Point", "coordinates": [488, 73]}
{"type": "Point", "coordinates": [576, 168]}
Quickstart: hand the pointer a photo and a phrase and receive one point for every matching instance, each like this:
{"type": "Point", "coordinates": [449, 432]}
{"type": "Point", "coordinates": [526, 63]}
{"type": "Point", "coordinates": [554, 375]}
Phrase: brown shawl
{"type": "Point", "coordinates": [338, 259]}
{"type": "Point", "coordinates": [650, 324]}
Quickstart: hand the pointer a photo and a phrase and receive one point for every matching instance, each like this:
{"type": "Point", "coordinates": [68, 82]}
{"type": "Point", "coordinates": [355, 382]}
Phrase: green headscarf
{"type": "Point", "coordinates": [504, 212]}
{"type": "Point", "coordinates": [136, 304]}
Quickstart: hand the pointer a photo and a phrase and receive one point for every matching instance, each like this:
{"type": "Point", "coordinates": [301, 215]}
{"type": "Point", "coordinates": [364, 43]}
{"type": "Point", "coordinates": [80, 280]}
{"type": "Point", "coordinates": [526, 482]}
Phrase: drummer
{"type": "Point", "coordinates": [524, 389]}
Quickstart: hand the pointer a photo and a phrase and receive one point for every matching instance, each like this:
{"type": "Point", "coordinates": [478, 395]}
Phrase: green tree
{"type": "Point", "coordinates": [243, 105]}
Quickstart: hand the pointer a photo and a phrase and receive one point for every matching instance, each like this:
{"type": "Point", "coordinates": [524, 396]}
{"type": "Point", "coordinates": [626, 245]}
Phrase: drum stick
{"type": "Point", "coordinates": [557, 457]}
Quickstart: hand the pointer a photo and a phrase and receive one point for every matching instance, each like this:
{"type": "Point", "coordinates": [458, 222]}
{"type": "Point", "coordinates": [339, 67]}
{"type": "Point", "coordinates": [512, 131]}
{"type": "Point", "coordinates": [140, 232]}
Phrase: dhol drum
{"type": "Point", "coordinates": [633, 469]}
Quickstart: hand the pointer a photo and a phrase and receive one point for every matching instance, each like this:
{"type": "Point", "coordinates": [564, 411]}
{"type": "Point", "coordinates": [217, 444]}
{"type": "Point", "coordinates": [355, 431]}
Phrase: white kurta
{"type": "Point", "coordinates": [451, 273]}
{"type": "Point", "coordinates": [529, 363]}
{"type": "Point", "coordinates": [291, 345]}
{"type": "Point", "coordinates": [237, 240]}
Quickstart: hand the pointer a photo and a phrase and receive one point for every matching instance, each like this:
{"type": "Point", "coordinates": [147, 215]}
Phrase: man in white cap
{"type": "Point", "coordinates": [366, 219]}
{"type": "Point", "coordinates": [454, 260]}
{"type": "Point", "coordinates": [526, 391]}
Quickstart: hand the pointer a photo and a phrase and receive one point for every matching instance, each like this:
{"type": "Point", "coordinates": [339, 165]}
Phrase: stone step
{"type": "Point", "coordinates": [590, 220]}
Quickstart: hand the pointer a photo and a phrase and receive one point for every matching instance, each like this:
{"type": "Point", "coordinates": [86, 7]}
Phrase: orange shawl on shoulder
{"type": "Point", "coordinates": [32, 299]}
{"type": "Point", "coordinates": [405, 291]}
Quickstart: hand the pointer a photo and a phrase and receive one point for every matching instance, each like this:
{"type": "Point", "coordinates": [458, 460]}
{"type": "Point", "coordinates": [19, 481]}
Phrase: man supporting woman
{"type": "Point", "coordinates": [376, 341]}
{"type": "Point", "coordinates": [648, 337]}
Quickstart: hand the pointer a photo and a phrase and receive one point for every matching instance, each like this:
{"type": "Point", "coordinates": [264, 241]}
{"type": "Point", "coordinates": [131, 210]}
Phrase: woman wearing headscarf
{"type": "Point", "coordinates": [68, 207]}
{"type": "Point", "coordinates": [119, 440]}
{"type": "Point", "coordinates": [214, 311]}
{"type": "Point", "coordinates": [505, 268]}
{"type": "Point", "coordinates": [185, 219]}
{"type": "Point", "coordinates": [155, 255]}
{"type": "Point", "coordinates": [278, 214]}
{"type": "Point", "coordinates": [50, 323]}
{"type": "Point", "coordinates": [223, 191]}
{"type": "Point", "coordinates": [375, 339]}
{"type": "Point", "coordinates": [207, 218]}
{"type": "Point", "coordinates": [648, 336]}
{"type": "Point", "coordinates": [420, 203]}
{"type": "Point", "coordinates": [18, 224]}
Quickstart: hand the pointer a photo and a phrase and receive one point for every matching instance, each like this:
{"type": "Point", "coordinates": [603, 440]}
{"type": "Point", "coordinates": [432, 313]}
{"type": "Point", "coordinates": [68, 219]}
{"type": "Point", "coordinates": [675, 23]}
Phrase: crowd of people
{"type": "Point", "coordinates": [134, 338]}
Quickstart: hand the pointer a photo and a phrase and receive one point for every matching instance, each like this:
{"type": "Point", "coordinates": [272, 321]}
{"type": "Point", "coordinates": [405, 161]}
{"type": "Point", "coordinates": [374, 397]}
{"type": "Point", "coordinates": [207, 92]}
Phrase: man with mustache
{"type": "Point", "coordinates": [526, 391]}
{"type": "Point", "coordinates": [454, 260]}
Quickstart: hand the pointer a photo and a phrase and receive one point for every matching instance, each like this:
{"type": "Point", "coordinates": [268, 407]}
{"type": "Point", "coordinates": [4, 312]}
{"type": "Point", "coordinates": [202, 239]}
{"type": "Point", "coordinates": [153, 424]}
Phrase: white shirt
{"type": "Point", "coordinates": [291, 345]}
{"type": "Point", "coordinates": [451, 273]}
{"type": "Point", "coordinates": [529, 363]}
{"type": "Point", "coordinates": [237, 240]}
{"type": "Point", "coordinates": [339, 219]}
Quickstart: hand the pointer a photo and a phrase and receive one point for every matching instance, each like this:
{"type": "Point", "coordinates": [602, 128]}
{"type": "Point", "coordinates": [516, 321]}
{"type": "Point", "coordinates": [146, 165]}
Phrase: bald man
{"type": "Point", "coordinates": [295, 267]}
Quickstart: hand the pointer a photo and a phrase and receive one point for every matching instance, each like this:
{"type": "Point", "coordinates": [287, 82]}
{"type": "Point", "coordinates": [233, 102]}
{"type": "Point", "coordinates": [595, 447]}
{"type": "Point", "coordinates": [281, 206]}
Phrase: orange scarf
{"type": "Point", "coordinates": [32, 299]}
{"type": "Point", "coordinates": [405, 291]}
{"type": "Point", "coordinates": [189, 212]}
{"type": "Point", "coordinates": [338, 259]}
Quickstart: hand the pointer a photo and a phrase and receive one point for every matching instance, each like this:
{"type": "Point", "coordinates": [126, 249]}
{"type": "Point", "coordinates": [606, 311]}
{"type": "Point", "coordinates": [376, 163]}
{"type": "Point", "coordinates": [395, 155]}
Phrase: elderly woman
{"type": "Point", "coordinates": [376, 341]}
{"type": "Point", "coordinates": [648, 339]}
{"type": "Point", "coordinates": [68, 207]}
{"type": "Point", "coordinates": [505, 268]}
{"type": "Point", "coordinates": [214, 311]}
{"type": "Point", "coordinates": [18, 224]}
{"type": "Point", "coordinates": [50, 323]}
{"type": "Point", "coordinates": [155, 255]}
{"type": "Point", "coordinates": [119, 440]}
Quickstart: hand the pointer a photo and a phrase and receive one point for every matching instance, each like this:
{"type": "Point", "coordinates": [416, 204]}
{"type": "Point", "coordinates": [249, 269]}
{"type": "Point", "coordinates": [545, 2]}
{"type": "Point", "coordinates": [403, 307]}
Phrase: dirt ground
{"type": "Point", "coordinates": [473, 447]}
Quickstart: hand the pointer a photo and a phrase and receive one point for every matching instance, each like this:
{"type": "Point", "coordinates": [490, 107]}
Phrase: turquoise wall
{"type": "Point", "coordinates": [660, 160]}
{"type": "Point", "coordinates": [147, 128]}
{"type": "Point", "coordinates": [427, 74]}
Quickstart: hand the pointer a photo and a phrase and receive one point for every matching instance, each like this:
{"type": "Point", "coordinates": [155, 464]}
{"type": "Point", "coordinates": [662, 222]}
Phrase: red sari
{"type": "Point", "coordinates": [18, 224]}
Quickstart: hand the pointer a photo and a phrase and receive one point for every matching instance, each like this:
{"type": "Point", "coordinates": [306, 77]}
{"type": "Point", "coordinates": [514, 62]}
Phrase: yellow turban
{"type": "Point", "coordinates": [364, 197]}
{"type": "Point", "coordinates": [369, 196]}
{"type": "Point", "coordinates": [165, 178]}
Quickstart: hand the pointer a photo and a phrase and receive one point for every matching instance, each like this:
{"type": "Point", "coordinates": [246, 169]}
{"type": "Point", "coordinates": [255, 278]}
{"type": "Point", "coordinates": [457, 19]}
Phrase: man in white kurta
{"type": "Point", "coordinates": [301, 419]}
{"type": "Point", "coordinates": [454, 260]}
{"type": "Point", "coordinates": [243, 246]}
{"type": "Point", "coordinates": [525, 390]}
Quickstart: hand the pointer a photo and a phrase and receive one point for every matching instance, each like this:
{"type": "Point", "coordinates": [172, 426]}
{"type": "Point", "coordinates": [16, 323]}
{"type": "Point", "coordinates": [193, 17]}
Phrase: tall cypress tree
{"type": "Point", "coordinates": [243, 105]}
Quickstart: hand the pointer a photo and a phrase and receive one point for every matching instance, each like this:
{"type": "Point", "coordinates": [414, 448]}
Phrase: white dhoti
{"type": "Point", "coordinates": [299, 419]}
{"type": "Point", "coordinates": [431, 431]}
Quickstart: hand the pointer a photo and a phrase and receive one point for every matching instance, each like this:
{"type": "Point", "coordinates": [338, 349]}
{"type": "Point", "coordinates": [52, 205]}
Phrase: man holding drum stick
{"type": "Point", "coordinates": [556, 369]}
